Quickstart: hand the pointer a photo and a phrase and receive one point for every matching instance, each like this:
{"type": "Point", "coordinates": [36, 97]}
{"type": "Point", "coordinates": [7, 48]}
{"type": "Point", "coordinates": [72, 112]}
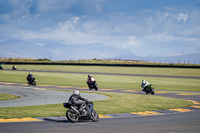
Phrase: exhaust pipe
{"type": "Point", "coordinates": [75, 110]}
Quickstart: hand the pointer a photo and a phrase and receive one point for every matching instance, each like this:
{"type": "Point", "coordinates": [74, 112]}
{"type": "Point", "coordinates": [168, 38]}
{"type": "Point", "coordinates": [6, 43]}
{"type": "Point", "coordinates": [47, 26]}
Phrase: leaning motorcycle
{"type": "Point", "coordinates": [93, 85]}
{"type": "Point", "coordinates": [73, 115]}
{"type": "Point", "coordinates": [32, 83]}
{"type": "Point", "coordinates": [149, 89]}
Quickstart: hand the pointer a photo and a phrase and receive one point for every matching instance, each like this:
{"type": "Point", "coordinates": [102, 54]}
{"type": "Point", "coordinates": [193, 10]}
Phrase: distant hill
{"type": "Point", "coordinates": [59, 51]}
{"type": "Point", "coordinates": [188, 59]}
{"type": "Point", "coordinates": [16, 48]}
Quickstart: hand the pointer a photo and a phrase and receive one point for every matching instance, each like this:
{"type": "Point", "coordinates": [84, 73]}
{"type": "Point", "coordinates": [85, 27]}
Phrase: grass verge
{"type": "Point", "coordinates": [8, 97]}
{"type": "Point", "coordinates": [110, 69]}
{"type": "Point", "coordinates": [117, 103]}
{"type": "Point", "coordinates": [106, 81]}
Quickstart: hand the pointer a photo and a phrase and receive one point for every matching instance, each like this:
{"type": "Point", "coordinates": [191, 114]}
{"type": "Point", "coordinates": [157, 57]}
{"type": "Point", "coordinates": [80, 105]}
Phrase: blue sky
{"type": "Point", "coordinates": [147, 28]}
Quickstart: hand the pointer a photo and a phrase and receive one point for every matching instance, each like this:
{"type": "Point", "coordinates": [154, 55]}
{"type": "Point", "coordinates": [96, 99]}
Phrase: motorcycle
{"type": "Point", "coordinates": [73, 115]}
{"type": "Point", "coordinates": [149, 89]}
{"type": "Point", "coordinates": [14, 68]}
{"type": "Point", "coordinates": [32, 83]}
{"type": "Point", "coordinates": [93, 85]}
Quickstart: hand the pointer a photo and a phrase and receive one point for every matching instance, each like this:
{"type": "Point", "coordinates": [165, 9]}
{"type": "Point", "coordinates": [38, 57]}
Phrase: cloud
{"type": "Point", "coordinates": [113, 23]}
{"type": "Point", "coordinates": [182, 17]}
{"type": "Point", "coordinates": [162, 37]}
{"type": "Point", "coordinates": [40, 44]}
{"type": "Point", "coordinates": [132, 42]}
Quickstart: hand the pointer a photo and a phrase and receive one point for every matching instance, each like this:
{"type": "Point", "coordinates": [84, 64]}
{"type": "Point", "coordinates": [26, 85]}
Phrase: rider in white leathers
{"type": "Point", "coordinates": [144, 84]}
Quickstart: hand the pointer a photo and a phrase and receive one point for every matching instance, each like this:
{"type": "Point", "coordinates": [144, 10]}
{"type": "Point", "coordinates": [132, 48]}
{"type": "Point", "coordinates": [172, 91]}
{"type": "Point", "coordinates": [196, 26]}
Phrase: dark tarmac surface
{"type": "Point", "coordinates": [173, 122]}
{"type": "Point", "coordinates": [40, 96]}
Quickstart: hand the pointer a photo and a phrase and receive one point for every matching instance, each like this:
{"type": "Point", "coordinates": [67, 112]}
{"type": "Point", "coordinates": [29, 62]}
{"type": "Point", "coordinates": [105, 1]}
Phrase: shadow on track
{"type": "Point", "coordinates": [62, 120]}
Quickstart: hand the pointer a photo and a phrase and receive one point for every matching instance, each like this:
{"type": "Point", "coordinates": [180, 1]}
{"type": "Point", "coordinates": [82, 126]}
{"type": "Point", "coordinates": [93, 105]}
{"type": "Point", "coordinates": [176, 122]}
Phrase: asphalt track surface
{"type": "Point", "coordinates": [168, 122]}
{"type": "Point", "coordinates": [40, 96]}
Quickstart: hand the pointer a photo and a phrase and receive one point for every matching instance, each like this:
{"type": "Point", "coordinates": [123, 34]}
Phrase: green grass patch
{"type": "Point", "coordinates": [110, 69]}
{"type": "Point", "coordinates": [106, 81]}
{"type": "Point", "coordinates": [117, 103]}
{"type": "Point", "coordinates": [126, 103]}
{"type": "Point", "coordinates": [8, 97]}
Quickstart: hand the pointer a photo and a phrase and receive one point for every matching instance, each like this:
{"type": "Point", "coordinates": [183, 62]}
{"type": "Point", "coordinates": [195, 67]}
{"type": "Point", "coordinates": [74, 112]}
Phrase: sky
{"type": "Point", "coordinates": [147, 28]}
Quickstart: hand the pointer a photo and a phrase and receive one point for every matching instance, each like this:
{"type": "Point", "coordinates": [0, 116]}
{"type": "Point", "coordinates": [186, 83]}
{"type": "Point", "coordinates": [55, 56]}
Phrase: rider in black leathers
{"type": "Point", "coordinates": [74, 99]}
{"type": "Point", "coordinates": [30, 78]}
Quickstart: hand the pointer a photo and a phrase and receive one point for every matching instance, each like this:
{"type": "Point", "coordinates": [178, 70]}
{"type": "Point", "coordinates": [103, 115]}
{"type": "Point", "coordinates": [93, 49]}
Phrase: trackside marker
{"type": "Point", "coordinates": [195, 107]}
{"type": "Point", "coordinates": [9, 83]}
{"type": "Point", "coordinates": [19, 120]}
{"type": "Point", "coordinates": [84, 88]}
{"type": "Point", "coordinates": [195, 102]}
{"type": "Point", "coordinates": [185, 94]}
{"type": "Point", "coordinates": [131, 91]}
{"type": "Point", "coordinates": [146, 113]}
{"type": "Point", "coordinates": [64, 86]}
{"type": "Point", "coordinates": [181, 110]}
{"type": "Point", "coordinates": [104, 116]}
{"type": "Point", "coordinates": [45, 85]}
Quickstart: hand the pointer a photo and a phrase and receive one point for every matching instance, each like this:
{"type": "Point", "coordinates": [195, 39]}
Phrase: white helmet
{"type": "Point", "coordinates": [76, 92]}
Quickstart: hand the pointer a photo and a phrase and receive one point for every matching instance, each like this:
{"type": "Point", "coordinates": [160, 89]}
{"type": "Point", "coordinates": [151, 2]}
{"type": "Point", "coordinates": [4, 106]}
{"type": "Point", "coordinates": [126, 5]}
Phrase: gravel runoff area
{"type": "Point", "coordinates": [37, 96]}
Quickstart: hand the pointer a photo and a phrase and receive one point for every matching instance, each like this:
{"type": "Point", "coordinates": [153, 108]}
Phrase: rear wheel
{"type": "Point", "coordinates": [94, 116]}
{"type": "Point", "coordinates": [71, 116]}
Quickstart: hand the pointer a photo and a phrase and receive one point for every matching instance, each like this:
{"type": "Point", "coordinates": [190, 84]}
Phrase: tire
{"type": "Point", "coordinates": [34, 83]}
{"type": "Point", "coordinates": [71, 116]}
{"type": "Point", "coordinates": [146, 92]}
{"type": "Point", "coordinates": [94, 116]}
{"type": "Point", "coordinates": [95, 86]}
{"type": "Point", "coordinates": [152, 92]}
{"type": "Point", "coordinates": [90, 88]}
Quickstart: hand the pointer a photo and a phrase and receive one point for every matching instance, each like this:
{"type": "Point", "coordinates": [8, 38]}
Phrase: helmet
{"type": "Point", "coordinates": [89, 75]}
{"type": "Point", "coordinates": [143, 81]}
{"type": "Point", "coordinates": [29, 73]}
{"type": "Point", "coordinates": [76, 92]}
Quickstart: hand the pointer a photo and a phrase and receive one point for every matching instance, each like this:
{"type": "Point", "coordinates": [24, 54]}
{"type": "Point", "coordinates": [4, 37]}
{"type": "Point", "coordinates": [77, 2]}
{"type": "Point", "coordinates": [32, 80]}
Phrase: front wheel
{"type": "Point", "coordinates": [34, 83]}
{"type": "Point", "coordinates": [71, 116]}
{"type": "Point", "coordinates": [152, 91]}
{"type": "Point", "coordinates": [94, 116]}
{"type": "Point", "coordinates": [95, 86]}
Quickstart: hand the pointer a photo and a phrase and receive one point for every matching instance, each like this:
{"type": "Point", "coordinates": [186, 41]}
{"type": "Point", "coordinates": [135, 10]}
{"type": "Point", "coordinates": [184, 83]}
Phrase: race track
{"type": "Point", "coordinates": [39, 96]}
{"type": "Point", "coordinates": [165, 122]}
